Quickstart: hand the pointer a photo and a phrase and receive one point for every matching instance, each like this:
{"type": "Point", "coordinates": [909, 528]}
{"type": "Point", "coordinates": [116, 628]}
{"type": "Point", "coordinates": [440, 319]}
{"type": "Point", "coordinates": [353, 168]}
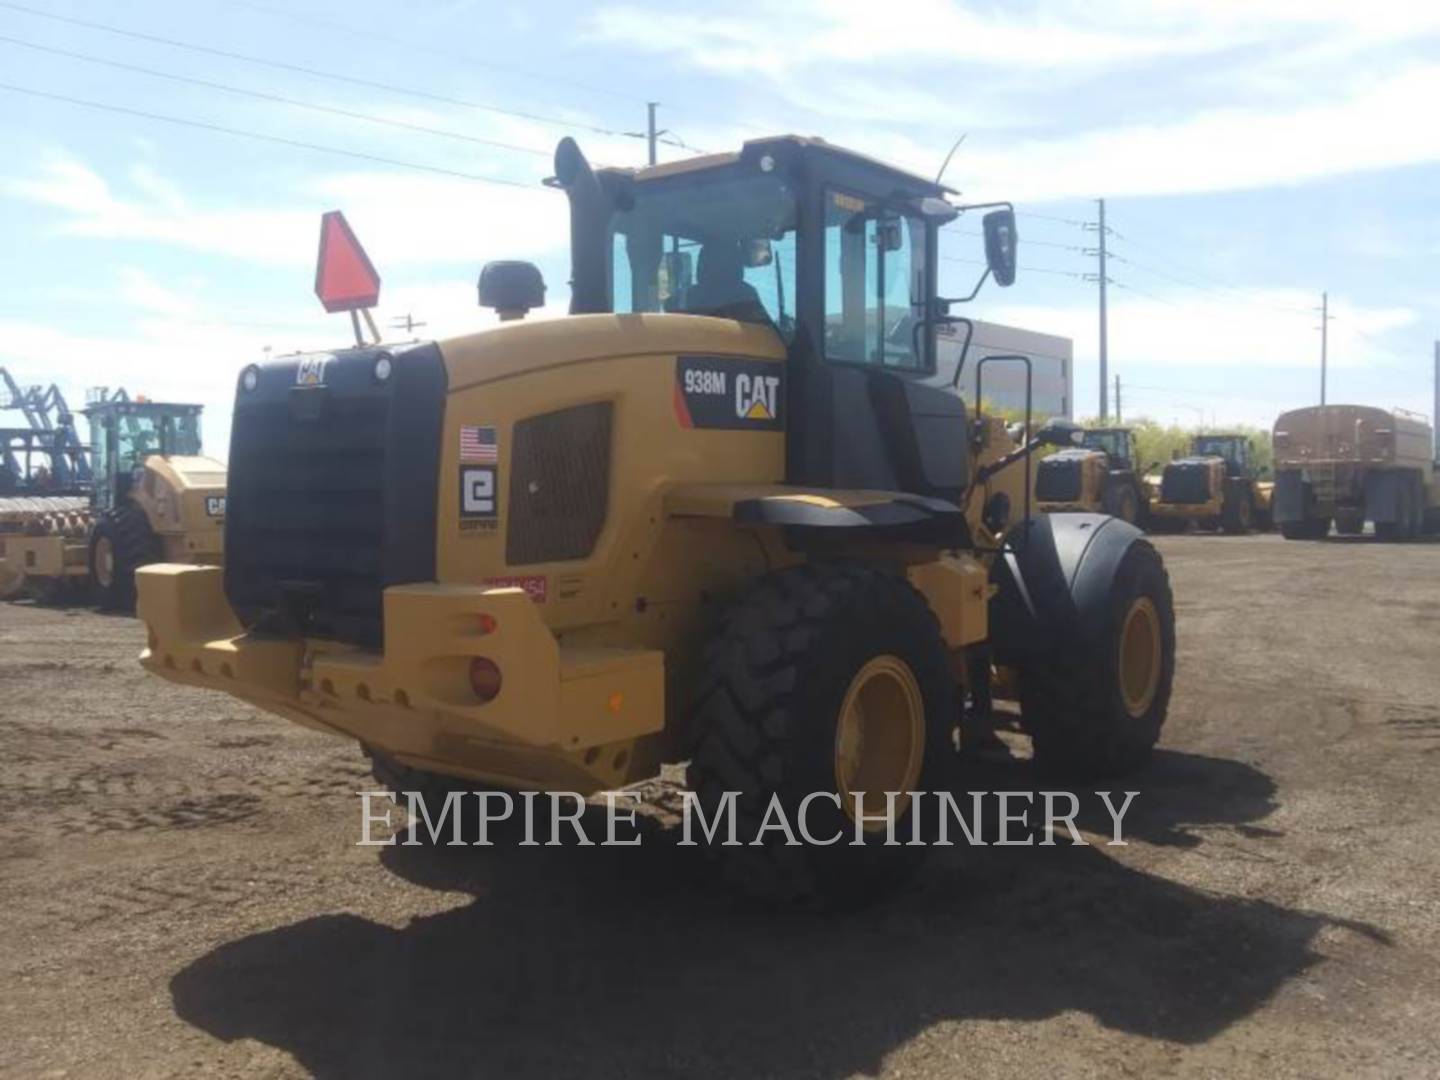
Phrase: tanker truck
{"type": "Point", "coordinates": [1350, 464]}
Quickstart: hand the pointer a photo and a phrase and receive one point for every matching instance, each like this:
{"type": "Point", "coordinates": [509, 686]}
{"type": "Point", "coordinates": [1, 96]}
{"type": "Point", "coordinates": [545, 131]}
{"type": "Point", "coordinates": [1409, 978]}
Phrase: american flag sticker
{"type": "Point", "coordinates": [479, 444]}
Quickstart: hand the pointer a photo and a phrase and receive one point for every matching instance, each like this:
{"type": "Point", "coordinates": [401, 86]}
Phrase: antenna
{"type": "Point", "coordinates": [946, 163]}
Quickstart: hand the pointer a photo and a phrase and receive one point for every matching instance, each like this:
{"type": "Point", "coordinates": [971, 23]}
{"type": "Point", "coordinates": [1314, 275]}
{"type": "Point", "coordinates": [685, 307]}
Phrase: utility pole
{"type": "Point", "coordinates": [1104, 328]}
{"type": "Point", "coordinates": [1119, 414]}
{"type": "Point", "coordinates": [1324, 341]}
{"type": "Point", "coordinates": [652, 136]}
{"type": "Point", "coordinates": [1435, 413]}
{"type": "Point", "coordinates": [1103, 280]}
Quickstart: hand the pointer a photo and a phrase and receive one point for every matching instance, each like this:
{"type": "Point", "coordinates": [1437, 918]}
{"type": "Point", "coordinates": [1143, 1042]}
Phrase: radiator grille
{"type": "Point", "coordinates": [1186, 482]}
{"type": "Point", "coordinates": [1058, 480]}
{"type": "Point", "coordinates": [559, 484]}
{"type": "Point", "coordinates": [331, 493]}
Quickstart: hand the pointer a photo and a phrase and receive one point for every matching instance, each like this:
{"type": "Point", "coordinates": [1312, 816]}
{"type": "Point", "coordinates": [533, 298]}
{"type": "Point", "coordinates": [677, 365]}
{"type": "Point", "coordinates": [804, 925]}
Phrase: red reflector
{"type": "Point", "coordinates": [345, 279]}
{"type": "Point", "coordinates": [484, 678]}
{"type": "Point", "coordinates": [488, 624]}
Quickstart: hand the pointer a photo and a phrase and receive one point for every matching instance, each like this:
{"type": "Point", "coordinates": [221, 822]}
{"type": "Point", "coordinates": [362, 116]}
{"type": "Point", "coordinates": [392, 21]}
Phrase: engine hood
{"type": "Point", "coordinates": [515, 348]}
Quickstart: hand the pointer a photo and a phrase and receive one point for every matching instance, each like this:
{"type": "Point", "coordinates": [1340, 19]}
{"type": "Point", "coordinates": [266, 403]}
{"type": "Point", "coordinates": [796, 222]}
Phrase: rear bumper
{"type": "Point", "coordinates": [564, 716]}
{"type": "Point", "coordinates": [1185, 510]}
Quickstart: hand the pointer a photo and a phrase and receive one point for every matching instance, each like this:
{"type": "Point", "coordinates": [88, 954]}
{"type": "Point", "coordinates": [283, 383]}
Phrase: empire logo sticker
{"type": "Point", "coordinates": [729, 394]}
{"type": "Point", "coordinates": [479, 509]}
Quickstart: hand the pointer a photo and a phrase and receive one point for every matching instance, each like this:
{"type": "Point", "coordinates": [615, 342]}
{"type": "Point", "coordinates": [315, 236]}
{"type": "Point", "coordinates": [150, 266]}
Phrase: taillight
{"type": "Point", "coordinates": [484, 678]}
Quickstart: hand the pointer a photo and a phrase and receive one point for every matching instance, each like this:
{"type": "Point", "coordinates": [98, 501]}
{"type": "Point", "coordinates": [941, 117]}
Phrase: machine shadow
{"type": "Point", "coordinates": [628, 962]}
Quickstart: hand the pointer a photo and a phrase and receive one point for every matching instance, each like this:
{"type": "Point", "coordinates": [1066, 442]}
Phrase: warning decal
{"type": "Point", "coordinates": [729, 393]}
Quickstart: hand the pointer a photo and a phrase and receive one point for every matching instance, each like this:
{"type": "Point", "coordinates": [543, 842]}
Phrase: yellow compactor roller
{"type": "Point", "coordinates": [726, 512]}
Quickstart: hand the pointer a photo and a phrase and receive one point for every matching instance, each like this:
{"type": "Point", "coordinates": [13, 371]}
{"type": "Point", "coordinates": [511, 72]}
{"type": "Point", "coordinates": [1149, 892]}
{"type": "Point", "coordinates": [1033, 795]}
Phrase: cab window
{"type": "Point", "coordinates": [874, 284]}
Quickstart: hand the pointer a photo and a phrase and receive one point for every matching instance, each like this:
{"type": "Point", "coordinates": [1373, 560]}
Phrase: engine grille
{"type": "Point", "coordinates": [1058, 480]}
{"type": "Point", "coordinates": [1186, 482]}
{"type": "Point", "coordinates": [559, 484]}
{"type": "Point", "coordinates": [332, 490]}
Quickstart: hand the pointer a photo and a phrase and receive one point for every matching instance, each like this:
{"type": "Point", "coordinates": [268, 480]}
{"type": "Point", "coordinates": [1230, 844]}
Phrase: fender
{"type": "Point", "coordinates": [1054, 579]}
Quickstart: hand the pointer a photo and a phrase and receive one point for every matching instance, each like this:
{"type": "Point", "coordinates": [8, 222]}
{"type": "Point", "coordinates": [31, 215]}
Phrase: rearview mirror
{"type": "Point", "coordinates": [1000, 244]}
{"type": "Point", "coordinates": [758, 253]}
{"type": "Point", "coordinates": [887, 234]}
{"type": "Point", "coordinates": [1060, 432]}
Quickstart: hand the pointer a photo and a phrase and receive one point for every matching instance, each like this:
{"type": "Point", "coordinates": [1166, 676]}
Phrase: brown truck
{"type": "Point", "coordinates": [1350, 464]}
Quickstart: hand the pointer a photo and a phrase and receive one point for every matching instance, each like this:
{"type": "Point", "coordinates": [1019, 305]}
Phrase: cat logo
{"type": "Point", "coordinates": [755, 396]}
{"type": "Point", "coordinates": [729, 393]}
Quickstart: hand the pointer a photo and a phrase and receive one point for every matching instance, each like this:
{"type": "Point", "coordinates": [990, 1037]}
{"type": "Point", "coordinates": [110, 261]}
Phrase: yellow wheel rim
{"type": "Point", "coordinates": [104, 562]}
{"type": "Point", "coordinates": [879, 738]}
{"type": "Point", "coordinates": [1140, 657]}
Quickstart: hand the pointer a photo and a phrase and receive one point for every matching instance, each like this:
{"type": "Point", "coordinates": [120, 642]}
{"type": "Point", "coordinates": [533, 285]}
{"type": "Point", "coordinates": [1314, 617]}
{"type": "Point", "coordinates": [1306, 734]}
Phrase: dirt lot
{"type": "Point", "coordinates": [182, 894]}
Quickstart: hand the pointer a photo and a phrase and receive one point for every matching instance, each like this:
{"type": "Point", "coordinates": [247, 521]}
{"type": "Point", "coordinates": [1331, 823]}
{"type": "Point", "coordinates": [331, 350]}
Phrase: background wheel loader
{"type": "Point", "coordinates": [722, 513]}
{"type": "Point", "coordinates": [1218, 486]}
{"type": "Point", "coordinates": [1351, 464]}
{"type": "Point", "coordinates": [150, 497]}
{"type": "Point", "coordinates": [1098, 477]}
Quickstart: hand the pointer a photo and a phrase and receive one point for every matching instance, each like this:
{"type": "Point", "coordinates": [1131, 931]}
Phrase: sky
{"type": "Point", "coordinates": [1252, 154]}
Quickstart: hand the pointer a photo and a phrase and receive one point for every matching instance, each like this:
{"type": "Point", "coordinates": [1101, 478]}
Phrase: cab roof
{"type": "Point", "coordinates": [784, 146]}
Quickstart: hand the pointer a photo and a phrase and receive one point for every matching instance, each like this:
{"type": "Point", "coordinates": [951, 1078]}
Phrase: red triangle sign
{"type": "Point", "coordinates": [345, 279]}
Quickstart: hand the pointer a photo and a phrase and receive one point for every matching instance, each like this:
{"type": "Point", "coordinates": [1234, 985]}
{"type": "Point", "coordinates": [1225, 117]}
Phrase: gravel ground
{"type": "Point", "coordinates": [183, 896]}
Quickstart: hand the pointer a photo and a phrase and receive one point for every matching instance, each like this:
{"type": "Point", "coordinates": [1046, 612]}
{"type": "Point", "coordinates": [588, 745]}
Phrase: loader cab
{"type": "Point", "coordinates": [124, 433]}
{"type": "Point", "coordinates": [1234, 449]}
{"type": "Point", "coordinates": [1115, 443]}
{"type": "Point", "coordinates": [836, 253]}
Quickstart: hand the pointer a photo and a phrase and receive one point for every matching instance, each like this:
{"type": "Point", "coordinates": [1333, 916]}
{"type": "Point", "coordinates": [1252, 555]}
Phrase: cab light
{"type": "Point", "coordinates": [250, 379]}
{"type": "Point", "coordinates": [484, 678]}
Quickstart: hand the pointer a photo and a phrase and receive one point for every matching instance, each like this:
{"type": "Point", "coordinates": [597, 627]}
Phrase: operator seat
{"type": "Point", "coordinates": [720, 287]}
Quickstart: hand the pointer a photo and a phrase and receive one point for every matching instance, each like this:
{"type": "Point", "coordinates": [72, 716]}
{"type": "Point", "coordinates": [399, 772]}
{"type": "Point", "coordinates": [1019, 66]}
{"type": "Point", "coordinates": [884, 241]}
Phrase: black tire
{"type": "Point", "coordinates": [1239, 511]}
{"type": "Point", "coordinates": [132, 545]}
{"type": "Point", "coordinates": [776, 675]}
{"type": "Point", "coordinates": [1120, 501]}
{"type": "Point", "coordinates": [1309, 529]}
{"type": "Point", "coordinates": [433, 788]}
{"type": "Point", "coordinates": [1072, 701]}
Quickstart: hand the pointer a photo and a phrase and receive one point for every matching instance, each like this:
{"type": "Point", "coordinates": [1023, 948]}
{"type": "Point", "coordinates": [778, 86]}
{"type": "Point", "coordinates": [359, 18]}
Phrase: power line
{"type": "Point", "coordinates": [262, 137]}
{"type": "Point", "coordinates": [1028, 243]}
{"type": "Point", "coordinates": [1051, 217]}
{"type": "Point", "coordinates": [470, 58]}
{"type": "Point", "coordinates": [319, 73]}
{"type": "Point", "coordinates": [476, 60]}
{"type": "Point", "coordinates": [279, 98]}
{"type": "Point", "coordinates": [1023, 269]}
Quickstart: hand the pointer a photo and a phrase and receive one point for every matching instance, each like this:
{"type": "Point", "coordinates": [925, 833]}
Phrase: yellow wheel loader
{"type": "Point", "coordinates": [726, 512]}
{"type": "Point", "coordinates": [157, 498]}
{"type": "Point", "coordinates": [1217, 486]}
{"type": "Point", "coordinates": [153, 498]}
{"type": "Point", "coordinates": [1096, 477]}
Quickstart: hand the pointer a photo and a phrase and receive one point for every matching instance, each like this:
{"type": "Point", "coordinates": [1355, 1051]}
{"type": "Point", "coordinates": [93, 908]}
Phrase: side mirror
{"type": "Point", "coordinates": [1060, 432]}
{"type": "Point", "coordinates": [1000, 245]}
{"type": "Point", "coordinates": [512, 288]}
